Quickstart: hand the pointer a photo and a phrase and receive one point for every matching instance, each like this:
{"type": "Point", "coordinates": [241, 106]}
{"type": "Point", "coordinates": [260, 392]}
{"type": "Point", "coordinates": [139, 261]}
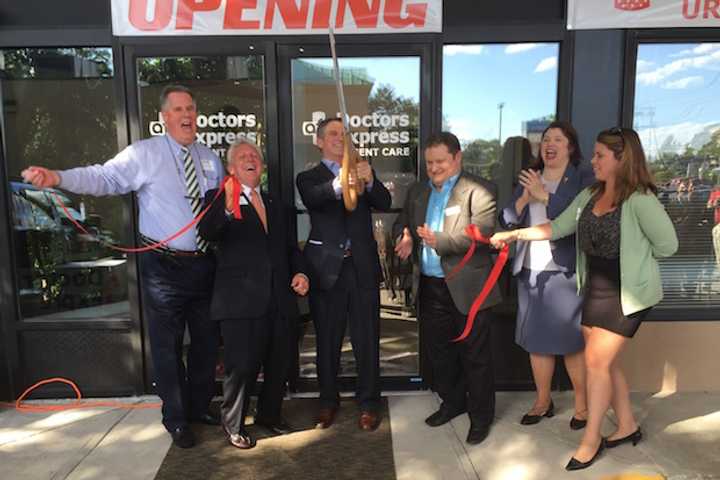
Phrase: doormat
{"type": "Point", "coordinates": [342, 451]}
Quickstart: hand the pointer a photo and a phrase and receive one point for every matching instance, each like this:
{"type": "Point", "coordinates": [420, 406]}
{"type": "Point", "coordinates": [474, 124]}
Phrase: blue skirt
{"type": "Point", "coordinates": [549, 313]}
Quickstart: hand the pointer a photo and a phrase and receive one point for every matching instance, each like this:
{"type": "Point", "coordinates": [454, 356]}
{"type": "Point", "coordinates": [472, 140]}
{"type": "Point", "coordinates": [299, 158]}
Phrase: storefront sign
{"type": "Point", "coordinates": [381, 135]}
{"type": "Point", "coordinates": [589, 14]}
{"type": "Point", "coordinates": [273, 17]}
{"type": "Point", "coordinates": [216, 130]}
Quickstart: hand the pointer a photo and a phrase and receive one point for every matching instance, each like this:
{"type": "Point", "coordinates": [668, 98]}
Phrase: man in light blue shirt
{"type": "Point", "coordinates": [170, 175]}
{"type": "Point", "coordinates": [431, 228]}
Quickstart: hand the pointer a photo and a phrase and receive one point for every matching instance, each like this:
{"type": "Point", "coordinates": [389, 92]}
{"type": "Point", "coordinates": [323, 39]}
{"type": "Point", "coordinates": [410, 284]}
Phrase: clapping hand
{"type": "Point", "coordinates": [531, 180]}
{"type": "Point", "coordinates": [427, 235]}
{"type": "Point", "coordinates": [403, 247]}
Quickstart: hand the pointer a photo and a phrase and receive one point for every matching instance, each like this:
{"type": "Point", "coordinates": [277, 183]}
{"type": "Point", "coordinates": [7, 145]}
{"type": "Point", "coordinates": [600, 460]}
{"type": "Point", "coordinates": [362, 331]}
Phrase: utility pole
{"type": "Point", "coordinates": [500, 107]}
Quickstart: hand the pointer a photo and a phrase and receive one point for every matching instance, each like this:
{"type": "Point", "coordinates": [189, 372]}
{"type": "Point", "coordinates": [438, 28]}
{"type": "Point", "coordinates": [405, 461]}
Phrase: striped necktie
{"type": "Point", "coordinates": [193, 190]}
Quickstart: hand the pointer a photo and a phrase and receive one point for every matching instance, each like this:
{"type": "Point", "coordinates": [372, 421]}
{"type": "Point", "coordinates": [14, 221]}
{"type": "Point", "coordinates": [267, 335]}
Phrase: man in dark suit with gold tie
{"type": "Point", "coordinates": [260, 270]}
{"type": "Point", "coordinates": [431, 228]}
{"type": "Point", "coordinates": [345, 274]}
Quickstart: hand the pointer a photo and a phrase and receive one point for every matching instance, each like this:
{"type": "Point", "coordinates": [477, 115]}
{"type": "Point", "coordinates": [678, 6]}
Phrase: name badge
{"type": "Point", "coordinates": [454, 210]}
{"type": "Point", "coordinates": [208, 165]}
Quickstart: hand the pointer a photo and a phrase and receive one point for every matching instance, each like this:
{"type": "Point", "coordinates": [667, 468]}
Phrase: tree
{"type": "Point", "coordinates": [482, 157]}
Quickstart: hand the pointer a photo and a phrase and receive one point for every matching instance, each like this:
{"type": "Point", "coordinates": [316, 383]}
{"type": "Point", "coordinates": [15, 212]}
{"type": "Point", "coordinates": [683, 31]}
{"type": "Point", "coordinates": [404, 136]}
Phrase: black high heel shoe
{"type": "Point", "coordinates": [578, 423]}
{"type": "Point", "coordinates": [634, 437]}
{"type": "Point", "coordinates": [575, 464]}
{"type": "Point", "coordinates": [533, 419]}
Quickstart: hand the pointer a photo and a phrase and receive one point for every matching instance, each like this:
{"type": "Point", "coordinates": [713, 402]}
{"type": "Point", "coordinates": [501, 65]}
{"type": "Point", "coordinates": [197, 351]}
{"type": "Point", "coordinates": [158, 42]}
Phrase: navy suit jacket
{"type": "Point", "coordinates": [332, 225]}
{"type": "Point", "coordinates": [573, 181]}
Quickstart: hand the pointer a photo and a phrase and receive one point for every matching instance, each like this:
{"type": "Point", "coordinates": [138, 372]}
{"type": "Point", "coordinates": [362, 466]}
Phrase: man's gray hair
{"type": "Point", "coordinates": [243, 140]}
{"type": "Point", "coordinates": [174, 89]}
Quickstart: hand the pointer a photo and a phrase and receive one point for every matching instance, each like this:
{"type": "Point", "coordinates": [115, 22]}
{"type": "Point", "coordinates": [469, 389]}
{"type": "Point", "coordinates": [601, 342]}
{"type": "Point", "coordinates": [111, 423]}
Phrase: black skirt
{"type": "Point", "coordinates": [602, 306]}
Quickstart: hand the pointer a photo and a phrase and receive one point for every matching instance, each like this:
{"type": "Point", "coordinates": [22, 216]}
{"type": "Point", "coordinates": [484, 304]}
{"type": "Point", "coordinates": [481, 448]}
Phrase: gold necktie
{"type": "Point", "coordinates": [259, 207]}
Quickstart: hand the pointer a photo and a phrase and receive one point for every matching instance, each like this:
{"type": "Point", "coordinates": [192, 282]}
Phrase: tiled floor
{"type": "Point", "coordinates": [682, 442]}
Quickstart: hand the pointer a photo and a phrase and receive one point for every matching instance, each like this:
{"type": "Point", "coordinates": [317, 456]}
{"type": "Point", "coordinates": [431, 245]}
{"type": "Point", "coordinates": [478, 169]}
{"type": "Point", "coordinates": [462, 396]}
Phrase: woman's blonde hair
{"type": "Point", "coordinates": [633, 174]}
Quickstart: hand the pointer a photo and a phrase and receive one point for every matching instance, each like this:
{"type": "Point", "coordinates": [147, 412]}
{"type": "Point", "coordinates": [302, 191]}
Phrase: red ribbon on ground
{"type": "Point", "coordinates": [476, 236]}
{"type": "Point", "coordinates": [146, 248]}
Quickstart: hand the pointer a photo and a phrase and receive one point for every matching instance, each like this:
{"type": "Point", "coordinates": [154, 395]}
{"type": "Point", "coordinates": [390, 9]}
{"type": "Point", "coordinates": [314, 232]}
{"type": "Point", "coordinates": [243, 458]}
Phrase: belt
{"type": "Point", "coordinates": [165, 250]}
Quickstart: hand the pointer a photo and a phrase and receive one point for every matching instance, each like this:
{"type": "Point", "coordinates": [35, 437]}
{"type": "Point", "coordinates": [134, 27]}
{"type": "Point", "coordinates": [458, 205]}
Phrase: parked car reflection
{"type": "Point", "coordinates": [60, 268]}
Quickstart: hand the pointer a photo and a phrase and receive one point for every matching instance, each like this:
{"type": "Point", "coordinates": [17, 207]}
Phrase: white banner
{"type": "Point", "coordinates": [273, 17]}
{"type": "Point", "coordinates": [588, 14]}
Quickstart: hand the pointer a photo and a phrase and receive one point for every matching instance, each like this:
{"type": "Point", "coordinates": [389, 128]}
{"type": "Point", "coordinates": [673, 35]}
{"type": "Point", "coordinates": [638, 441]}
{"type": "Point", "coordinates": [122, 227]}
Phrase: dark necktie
{"type": "Point", "coordinates": [193, 190]}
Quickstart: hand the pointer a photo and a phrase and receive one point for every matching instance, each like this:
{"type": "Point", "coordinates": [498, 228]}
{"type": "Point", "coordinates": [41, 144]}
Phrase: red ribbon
{"type": "Point", "coordinates": [476, 236]}
{"type": "Point", "coordinates": [146, 248]}
{"type": "Point", "coordinates": [237, 189]}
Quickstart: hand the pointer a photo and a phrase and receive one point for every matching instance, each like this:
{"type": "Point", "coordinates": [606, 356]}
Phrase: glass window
{"type": "Point", "coordinates": [494, 92]}
{"type": "Point", "coordinates": [677, 114]}
{"type": "Point", "coordinates": [229, 91]}
{"type": "Point", "coordinates": [57, 111]}
{"type": "Point", "coordinates": [383, 101]}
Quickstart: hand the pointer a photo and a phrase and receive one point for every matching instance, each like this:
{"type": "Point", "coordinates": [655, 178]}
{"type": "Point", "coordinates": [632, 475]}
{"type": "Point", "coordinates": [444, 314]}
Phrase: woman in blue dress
{"type": "Point", "coordinates": [549, 308]}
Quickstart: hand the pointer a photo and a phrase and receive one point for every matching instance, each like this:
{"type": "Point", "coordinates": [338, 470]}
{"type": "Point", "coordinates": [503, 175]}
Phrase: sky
{"type": "Point", "coordinates": [676, 92]}
{"type": "Point", "coordinates": [476, 78]}
{"type": "Point", "coordinates": [402, 73]}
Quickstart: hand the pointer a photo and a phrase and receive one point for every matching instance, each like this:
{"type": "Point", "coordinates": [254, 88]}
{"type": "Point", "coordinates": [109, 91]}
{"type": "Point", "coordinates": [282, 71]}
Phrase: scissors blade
{"type": "Point", "coordinates": [338, 82]}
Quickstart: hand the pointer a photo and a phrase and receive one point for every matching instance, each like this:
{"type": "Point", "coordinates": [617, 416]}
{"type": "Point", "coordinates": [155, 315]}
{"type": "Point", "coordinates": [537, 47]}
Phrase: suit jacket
{"type": "Point", "coordinates": [332, 225]}
{"type": "Point", "coordinates": [254, 268]}
{"type": "Point", "coordinates": [472, 200]}
{"type": "Point", "coordinates": [573, 181]}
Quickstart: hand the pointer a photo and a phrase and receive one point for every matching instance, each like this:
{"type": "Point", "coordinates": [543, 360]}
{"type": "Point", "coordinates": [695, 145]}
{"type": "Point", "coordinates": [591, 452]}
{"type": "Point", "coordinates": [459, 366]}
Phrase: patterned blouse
{"type": "Point", "coordinates": [599, 236]}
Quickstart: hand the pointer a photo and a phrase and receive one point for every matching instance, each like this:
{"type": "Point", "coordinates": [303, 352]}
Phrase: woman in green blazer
{"type": "Point", "coordinates": [621, 229]}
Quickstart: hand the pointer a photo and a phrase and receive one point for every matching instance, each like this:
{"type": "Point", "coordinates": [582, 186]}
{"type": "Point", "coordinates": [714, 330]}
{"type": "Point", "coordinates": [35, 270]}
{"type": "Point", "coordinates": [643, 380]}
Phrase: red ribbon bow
{"type": "Point", "coordinates": [476, 236]}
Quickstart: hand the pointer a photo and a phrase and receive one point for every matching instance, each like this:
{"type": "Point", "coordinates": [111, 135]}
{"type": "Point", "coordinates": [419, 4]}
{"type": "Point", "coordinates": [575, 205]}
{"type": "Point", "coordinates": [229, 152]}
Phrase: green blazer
{"type": "Point", "coordinates": [646, 233]}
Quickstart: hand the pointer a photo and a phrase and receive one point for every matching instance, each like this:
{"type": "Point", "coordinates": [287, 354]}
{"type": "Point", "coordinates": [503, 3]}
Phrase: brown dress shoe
{"type": "Point", "coordinates": [369, 421]}
{"type": "Point", "coordinates": [325, 417]}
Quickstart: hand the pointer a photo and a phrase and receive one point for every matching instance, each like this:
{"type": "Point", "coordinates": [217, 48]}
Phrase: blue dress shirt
{"type": "Point", "coordinates": [435, 217]}
{"type": "Point", "coordinates": [153, 168]}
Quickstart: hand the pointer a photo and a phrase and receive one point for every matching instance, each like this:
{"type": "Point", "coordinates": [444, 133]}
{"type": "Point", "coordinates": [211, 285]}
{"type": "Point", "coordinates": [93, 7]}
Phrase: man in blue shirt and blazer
{"type": "Point", "coordinates": [431, 229]}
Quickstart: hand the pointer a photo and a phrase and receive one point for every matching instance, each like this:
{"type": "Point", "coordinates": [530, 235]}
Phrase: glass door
{"type": "Point", "coordinates": [388, 115]}
{"type": "Point", "coordinates": [229, 86]}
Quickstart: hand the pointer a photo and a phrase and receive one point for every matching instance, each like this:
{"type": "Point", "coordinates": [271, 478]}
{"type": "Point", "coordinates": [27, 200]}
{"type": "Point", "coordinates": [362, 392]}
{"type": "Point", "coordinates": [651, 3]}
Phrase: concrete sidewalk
{"type": "Point", "coordinates": [682, 441]}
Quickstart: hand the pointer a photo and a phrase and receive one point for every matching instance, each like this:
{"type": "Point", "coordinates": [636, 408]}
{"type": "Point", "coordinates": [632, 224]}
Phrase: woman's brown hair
{"type": "Point", "coordinates": [573, 144]}
{"type": "Point", "coordinates": [633, 174]}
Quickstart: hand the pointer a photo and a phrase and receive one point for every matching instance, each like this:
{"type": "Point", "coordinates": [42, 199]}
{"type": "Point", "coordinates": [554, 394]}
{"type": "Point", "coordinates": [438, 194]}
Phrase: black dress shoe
{"type": "Point", "coordinates": [278, 427]}
{"type": "Point", "coordinates": [477, 433]}
{"type": "Point", "coordinates": [575, 464]}
{"type": "Point", "coordinates": [634, 437]}
{"type": "Point", "coordinates": [208, 419]}
{"type": "Point", "coordinates": [577, 423]}
{"type": "Point", "coordinates": [183, 437]}
{"type": "Point", "coordinates": [533, 419]}
{"type": "Point", "coordinates": [441, 417]}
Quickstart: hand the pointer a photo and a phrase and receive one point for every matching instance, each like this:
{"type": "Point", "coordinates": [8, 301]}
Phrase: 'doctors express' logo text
{"type": "Point", "coordinates": [235, 123]}
{"type": "Point", "coordinates": [385, 130]}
